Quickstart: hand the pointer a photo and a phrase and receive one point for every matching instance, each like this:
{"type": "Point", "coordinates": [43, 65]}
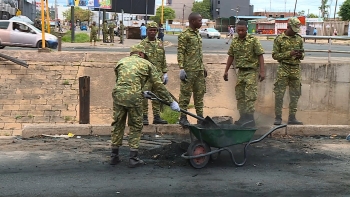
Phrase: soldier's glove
{"type": "Point", "coordinates": [165, 78]}
{"type": "Point", "coordinates": [146, 95]}
{"type": "Point", "coordinates": [183, 75]}
{"type": "Point", "coordinates": [205, 73]}
{"type": "Point", "coordinates": [175, 106]}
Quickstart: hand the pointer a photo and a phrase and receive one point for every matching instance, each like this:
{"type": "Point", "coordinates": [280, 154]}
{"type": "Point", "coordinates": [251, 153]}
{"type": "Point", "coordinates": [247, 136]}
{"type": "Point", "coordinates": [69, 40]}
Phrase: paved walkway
{"type": "Point", "coordinates": [127, 44]}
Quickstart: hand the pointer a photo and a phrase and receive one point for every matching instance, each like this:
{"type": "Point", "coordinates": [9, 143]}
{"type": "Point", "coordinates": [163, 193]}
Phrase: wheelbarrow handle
{"type": "Point", "coordinates": [155, 97]}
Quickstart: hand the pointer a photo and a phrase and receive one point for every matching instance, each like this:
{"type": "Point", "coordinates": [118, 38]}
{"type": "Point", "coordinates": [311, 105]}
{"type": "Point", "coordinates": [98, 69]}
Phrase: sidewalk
{"type": "Point", "coordinates": [127, 44]}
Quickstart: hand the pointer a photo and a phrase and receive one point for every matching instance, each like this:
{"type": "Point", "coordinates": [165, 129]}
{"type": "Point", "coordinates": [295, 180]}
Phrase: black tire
{"type": "Point", "coordinates": [208, 36]}
{"type": "Point", "coordinates": [196, 148]}
{"type": "Point", "coordinates": [38, 45]}
{"type": "Point", "coordinates": [218, 37]}
{"type": "Point", "coordinates": [1, 47]}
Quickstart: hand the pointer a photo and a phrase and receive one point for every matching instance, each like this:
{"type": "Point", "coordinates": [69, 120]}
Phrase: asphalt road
{"type": "Point", "coordinates": [216, 46]}
{"type": "Point", "coordinates": [285, 167]}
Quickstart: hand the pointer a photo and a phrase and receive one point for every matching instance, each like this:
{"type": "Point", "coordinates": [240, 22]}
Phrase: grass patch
{"type": "Point", "coordinates": [79, 37]}
{"type": "Point", "coordinates": [65, 82]}
{"type": "Point", "coordinates": [67, 118]}
{"type": "Point", "coordinates": [170, 115]}
{"type": "Point", "coordinates": [18, 117]}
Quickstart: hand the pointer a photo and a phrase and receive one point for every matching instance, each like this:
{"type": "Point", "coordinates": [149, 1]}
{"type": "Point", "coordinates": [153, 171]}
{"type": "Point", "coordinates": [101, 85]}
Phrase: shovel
{"type": "Point", "coordinates": [207, 122]}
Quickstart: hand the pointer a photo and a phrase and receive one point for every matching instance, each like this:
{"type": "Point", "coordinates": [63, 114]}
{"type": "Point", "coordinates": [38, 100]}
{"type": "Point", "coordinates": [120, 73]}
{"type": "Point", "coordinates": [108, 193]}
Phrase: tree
{"type": "Point", "coordinates": [323, 8]}
{"type": "Point", "coordinates": [301, 13]}
{"type": "Point", "coordinates": [203, 8]}
{"type": "Point", "coordinates": [344, 11]}
{"type": "Point", "coordinates": [312, 15]}
{"type": "Point", "coordinates": [168, 14]}
{"type": "Point", "coordinates": [79, 13]}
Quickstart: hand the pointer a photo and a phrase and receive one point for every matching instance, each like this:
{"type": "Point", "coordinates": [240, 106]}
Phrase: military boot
{"type": "Point", "coordinates": [293, 121]}
{"type": "Point", "coordinates": [183, 121]}
{"type": "Point", "coordinates": [200, 121]}
{"type": "Point", "coordinates": [134, 161]}
{"type": "Point", "coordinates": [241, 120]}
{"type": "Point", "coordinates": [145, 120]}
{"type": "Point", "coordinates": [158, 120]}
{"type": "Point", "coordinates": [278, 120]}
{"type": "Point", "coordinates": [249, 121]}
{"type": "Point", "coordinates": [115, 156]}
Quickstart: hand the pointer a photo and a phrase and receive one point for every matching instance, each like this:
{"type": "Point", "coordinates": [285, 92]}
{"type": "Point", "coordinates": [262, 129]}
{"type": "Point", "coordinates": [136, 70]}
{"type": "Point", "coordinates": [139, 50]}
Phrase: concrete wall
{"type": "Point", "coordinates": [47, 91]}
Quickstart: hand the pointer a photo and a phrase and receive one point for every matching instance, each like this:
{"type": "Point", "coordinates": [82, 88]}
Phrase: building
{"type": "Point", "coordinates": [231, 8]}
{"type": "Point", "coordinates": [182, 8]}
{"type": "Point", "coordinates": [274, 14]}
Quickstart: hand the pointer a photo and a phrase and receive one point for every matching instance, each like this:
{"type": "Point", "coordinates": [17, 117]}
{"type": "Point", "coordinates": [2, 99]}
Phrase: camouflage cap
{"type": "Point", "coordinates": [295, 24]}
{"type": "Point", "coordinates": [152, 24]}
{"type": "Point", "coordinates": [137, 48]}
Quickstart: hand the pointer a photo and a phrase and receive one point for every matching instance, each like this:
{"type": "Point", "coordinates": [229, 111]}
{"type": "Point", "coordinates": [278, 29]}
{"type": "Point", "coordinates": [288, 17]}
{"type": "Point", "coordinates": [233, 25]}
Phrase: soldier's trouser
{"type": "Point", "coordinates": [134, 121]}
{"type": "Point", "coordinates": [287, 75]}
{"type": "Point", "coordinates": [121, 38]}
{"type": "Point", "coordinates": [155, 103]}
{"type": "Point", "coordinates": [111, 37]}
{"type": "Point", "coordinates": [195, 84]}
{"type": "Point", "coordinates": [105, 37]}
{"type": "Point", "coordinates": [246, 90]}
{"type": "Point", "coordinates": [93, 37]}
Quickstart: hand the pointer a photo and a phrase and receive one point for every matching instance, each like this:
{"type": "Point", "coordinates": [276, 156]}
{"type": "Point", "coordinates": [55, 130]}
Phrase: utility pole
{"type": "Point", "coordinates": [295, 7]}
{"type": "Point", "coordinates": [335, 8]}
{"type": "Point", "coordinates": [183, 14]}
{"type": "Point", "coordinates": [56, 15]}
{"type": "Point", "coordinates": [270, 5]}
{"type": "Point", "coordinates": [237, 10]}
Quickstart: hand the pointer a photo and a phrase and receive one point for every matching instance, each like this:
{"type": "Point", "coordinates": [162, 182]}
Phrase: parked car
{"type": "Point", "coordinates": [83, 27]}
{"type": "Point", "coordinates": [22, 34]}
{"type": "Point", "coordinates": [210, 33]}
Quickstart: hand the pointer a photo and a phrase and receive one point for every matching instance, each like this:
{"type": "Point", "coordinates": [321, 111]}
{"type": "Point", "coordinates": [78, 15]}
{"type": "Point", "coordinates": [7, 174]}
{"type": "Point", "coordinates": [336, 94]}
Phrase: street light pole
{"type": "Point", "coordinates": [237, 10]}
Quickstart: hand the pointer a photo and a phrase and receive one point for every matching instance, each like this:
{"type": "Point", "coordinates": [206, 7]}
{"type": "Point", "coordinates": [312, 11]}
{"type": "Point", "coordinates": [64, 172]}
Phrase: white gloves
{"type": "Point", "coordinates": [146, 95]}
{"type": "Point", "coordinates": [165, 78]}
{"type": "Point", "coordinates": [175, 106]}
{"type": "Point", "coordinates": [183, 75]}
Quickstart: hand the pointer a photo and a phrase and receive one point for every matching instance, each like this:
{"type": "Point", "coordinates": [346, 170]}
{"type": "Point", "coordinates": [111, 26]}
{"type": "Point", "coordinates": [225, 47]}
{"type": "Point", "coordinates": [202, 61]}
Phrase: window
{"type": "Point", "coordinates": [4, 25]}
{"type": "Point", "coordinates": [282, 16]}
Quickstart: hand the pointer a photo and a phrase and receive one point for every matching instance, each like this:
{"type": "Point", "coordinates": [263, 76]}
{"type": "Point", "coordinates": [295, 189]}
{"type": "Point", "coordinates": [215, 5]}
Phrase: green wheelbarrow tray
{"type": "Point", "coordinates": [199, 151]}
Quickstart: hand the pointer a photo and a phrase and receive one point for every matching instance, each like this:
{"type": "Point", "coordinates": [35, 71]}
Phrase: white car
{"type": "Point", "coordinates": [210, 33]}
{"type": "Point", "coordinates": [23, 34]}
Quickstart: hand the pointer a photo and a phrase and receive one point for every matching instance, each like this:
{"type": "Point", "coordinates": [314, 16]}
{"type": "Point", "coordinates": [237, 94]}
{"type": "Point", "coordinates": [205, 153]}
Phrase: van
{"type": "Point", "coordinates": [23, 34]}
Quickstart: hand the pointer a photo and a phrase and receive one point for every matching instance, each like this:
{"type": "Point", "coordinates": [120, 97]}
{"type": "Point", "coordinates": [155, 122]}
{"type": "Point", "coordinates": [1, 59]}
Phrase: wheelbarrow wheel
{"type": "Point", "coordinates": [196, 148]}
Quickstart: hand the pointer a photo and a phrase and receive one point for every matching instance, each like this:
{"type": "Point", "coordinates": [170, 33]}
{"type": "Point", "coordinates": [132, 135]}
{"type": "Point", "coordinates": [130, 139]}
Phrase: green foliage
{"type": "Point", "coordinates": [301, 13]}
{"type": "Point", "coordinates": [168, 14]}
{"type": "Point", "coordinates": [169, 115]}
{"type": "Point", "coordinates": [79, 13]}
{"type": "Point", "coordinates": [312, 15]}
{"type": "Point", "coordinates": [203, 8]}
{"type": "Point", "coordinates": [324, 8]}
{"type": "Point", "coordinates": [79, 37]}
{"type": "Point", "coordinates": [344, 11]}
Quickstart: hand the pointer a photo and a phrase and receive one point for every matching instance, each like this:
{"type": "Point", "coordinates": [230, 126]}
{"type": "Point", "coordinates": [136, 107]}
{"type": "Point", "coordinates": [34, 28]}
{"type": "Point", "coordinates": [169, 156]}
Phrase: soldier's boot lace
{"type": "Point", "coordinates": [145, 120]}
{"type": "Point", "coordinates": [134, 161]}
{"type": "Point", "coordinates": [183, 121]}
{"type": "Point", "coordinates": [158, 120]}
{"type": "Point", "coordinates": [293, 121]}
{"type": "Point", "coordinates": [278, 120]}
{"type": "Point", "coordinates": [115, 157]}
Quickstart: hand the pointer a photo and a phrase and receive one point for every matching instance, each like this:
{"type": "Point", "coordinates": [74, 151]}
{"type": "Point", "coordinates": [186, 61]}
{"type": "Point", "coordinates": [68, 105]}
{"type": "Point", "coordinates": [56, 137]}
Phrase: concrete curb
{"type": "Point", "coordinates": [77, 129]}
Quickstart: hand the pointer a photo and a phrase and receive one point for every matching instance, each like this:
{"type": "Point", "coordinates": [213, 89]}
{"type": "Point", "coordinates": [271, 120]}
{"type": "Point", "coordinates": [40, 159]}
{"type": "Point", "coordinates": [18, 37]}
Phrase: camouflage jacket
{"type": "Point", "coordinates": [156, 54]}
{"type": "Point", "coordinates": [283, 45]}
{"type": "Point", "coordinates": [189, 50]}
{"type": "Point", "coordinates": [246, 51]}
{"type": "Point", "coordinates": [132, 73]}
{"type": "Point", "coordinates": [121, 29]}
{"type": "Point", "coordinates": [111, 28]}
{"type": "Point", "coordinates": [93, 30]}
{"type": "Point", "coordinates": [104, 28]}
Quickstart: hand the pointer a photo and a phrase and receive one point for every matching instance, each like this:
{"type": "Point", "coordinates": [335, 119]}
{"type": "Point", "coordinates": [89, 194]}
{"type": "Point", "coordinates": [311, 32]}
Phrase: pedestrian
{"type": "Point", "coordinates": [192, 71]}
{"type": "Point", "coordinates": [143, 31]}
{"type": "Point", "coordinates": [335, 33]}
{"type": "Point", "coordinates": [105, 31]}
{"type": "Point", "coordinates": [315, 31]}
{"type": "Point", "coordinates": [121, 32]}
{"type": "Point", "coordinates": [111, 27]}
{"type": "Point", "coordinates": [161, 32]}
{"type": "Point", "coordinates": [156, 55]}
{"type": "Point", "coordinates": [247, 52]}
{"type": "Point", "coordinates": [288, 50]}
{"type": "Point", "coordinates": [93, 33]}
{"type": "Point", "coordinates": [230, 35]}
{"type": "Point", "coordinates": [131, 75]}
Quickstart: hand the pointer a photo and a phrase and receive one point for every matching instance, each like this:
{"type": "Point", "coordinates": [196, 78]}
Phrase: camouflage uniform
{"type": "Point", "coordinates": [190, 58]}
{"type": "Point", "coordinates": [288, 71]}
{"type": "Point", "coordinates": [245, 52]}
{"type": "Point", "coordinates": [93, 33]}
{"type": "Point", "coordinates": [105, 32]}
{"type": "Point", "coordinates": [111, 27]}
{"type": "Point", "coordinates": [156, 55]}
{"type": "Point", "coordinates": [132, 73]}
{"type": "Point", "coordinates": [121, 32]}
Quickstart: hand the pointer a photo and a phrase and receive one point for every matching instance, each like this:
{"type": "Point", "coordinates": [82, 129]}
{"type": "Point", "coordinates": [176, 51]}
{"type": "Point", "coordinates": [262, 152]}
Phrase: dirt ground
{"type": "Point", "coordinates": [276, 166]}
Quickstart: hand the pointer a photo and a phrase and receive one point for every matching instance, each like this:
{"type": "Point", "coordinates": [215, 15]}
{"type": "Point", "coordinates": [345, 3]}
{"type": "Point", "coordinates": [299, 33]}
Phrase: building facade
{"type": "Point", "coordinates": [182, 8]}
{"type": "Point", "coordinates": [274, 14]}
{"type": "Point", "coordinates": [231, 8]}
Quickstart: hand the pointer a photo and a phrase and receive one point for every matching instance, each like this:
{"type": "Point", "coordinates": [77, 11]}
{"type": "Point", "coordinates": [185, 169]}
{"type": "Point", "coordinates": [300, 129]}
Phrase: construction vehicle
{"type": "Point", "coordinates": [8, 9]}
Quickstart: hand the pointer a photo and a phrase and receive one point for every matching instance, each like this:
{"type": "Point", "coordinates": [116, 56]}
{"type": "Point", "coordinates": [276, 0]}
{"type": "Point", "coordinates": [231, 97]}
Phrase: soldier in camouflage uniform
{"type": "Point", "coordinates": [111, 27]}
{"type": "Point", "coordinates": [156, 55]}
{"type": "Point", "coordinates": [192, 71]}
{"type": "Point", "coordinates": [105, 31]}
{"type": "Point", "coordinates": [121, 32]}
{"type": "Point", "coordinates": [247, 52]}
{"type": "Point", "coordinates": [93, 33]}
{"type": "Point", "coordinates": [131, 75]}
{"type": "Point", "coordinates": [288, 50]}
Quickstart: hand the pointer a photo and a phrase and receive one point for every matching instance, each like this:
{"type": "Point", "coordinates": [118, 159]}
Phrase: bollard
{"type": "Point", "coordinates": [84, 100]}
{"type": "Point", "coordinates": [59, 43]}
